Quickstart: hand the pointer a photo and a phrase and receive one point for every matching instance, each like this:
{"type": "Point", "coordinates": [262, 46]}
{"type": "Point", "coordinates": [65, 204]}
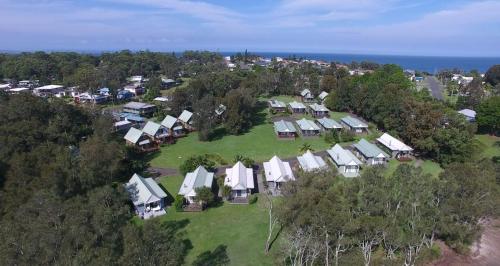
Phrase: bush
{"type": "Point", "coordinates": [332, 137]}
{"type": "Point", "coordinates": [226, 191]}
{"type": "Point", "coordinates": [346, 136]}
{"type": "Point", "coordinates": [193, 162]}
{"type": "Point", "coordinates": [253, 199]}
{"type": "Point", "coordinates": [179, 203]}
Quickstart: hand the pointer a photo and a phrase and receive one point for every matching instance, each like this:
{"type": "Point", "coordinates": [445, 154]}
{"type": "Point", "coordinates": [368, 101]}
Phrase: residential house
{"type": "Point", "coordinates": [277, 106]}
{"type": "Point", "coordinates": [156, 131]}
{"type": "Point", "coordinates": [220, 109]}
{"type": "Point", "coordinates": [122, 126]}
{"type": "Point", "coordinates": [328, 124]}
{"type": "Point", "coordinates": [49, 91]}
{"type": "Point", "coordinates": [322, 96]}
{"type": "Point", "coordinates": [147, 196]}
{"type": "Point", "coordinates": [133, 118]}
{"type": "Point", "coordinates": [310, 162]}
{"type": "Point", "coordinates": [240, 179]}
{"type": "Point", "coordinates": [297, 108]}
{"type": "Point", "coordinates": [138, 108]}
{"type": "Point", "coordinates": [90, 98]}
{"type": "Point", "coordinates": [285, 129]}
{"type": "Point", "coordinates": [318, 110]}
{"type": "Point", "coordinates": [370, 153]}
{"type": "Point", "coordinates": [140, 140]}
{"type": "Point", "coordinates": [345, 161]}
{"type": "Point", "coordinates": [197, 179]}
{"type": "Point", "coordinates": [124, 95]}
{"type": "Point", "coordinates": [19, 90]}
{"type": "Point", "coordinates": [306, 96]}
{"type": "Point", "coordinates": [186, 121]}
{"type": "Point", "coordinates": [135, 89]}
{"type": "Point", "coordinates": [354, 124]}
{"type": "Point", "coordinates": [397, 148]}
{"type": "Point", "coordinates": [136, 79]}
{"type": "Point", "coordinates": [173, 126]}
{"type": "Point", "coordinates": [308, 127]}
{"type": "Point", "coordinates": [277, 172]}
{"type": "Point", "coordinates": [470, 115]}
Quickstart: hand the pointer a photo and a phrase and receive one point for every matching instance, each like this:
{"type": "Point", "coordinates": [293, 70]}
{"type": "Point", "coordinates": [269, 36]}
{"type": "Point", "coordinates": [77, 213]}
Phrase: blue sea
{"type": "Point", "coordinates": [431, 64]}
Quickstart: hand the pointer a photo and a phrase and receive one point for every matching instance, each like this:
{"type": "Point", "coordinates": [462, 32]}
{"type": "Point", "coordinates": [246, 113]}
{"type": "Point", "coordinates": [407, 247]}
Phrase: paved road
{"type": "Point", "coordinates": [435, 86]}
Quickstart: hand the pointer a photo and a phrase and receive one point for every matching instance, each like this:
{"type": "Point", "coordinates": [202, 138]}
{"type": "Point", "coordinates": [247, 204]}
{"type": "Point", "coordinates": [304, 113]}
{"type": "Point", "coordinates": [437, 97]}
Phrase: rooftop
{"type": "Point", "coordinates": [278, 171]}
{"type": "Point", "coordinates": [318, 107]}
{"type": "Point", "coordinates": [239, 177]}
{"type": "Point", "coordinates": [342, 156]}
{"type": "Point", "coordinates": [133, 135]}
{"type": "Point", "coordinates": [144, 190]}
{"type": "Point", "coordinates": [305, 124]}
{"type": "Point", "coordinates": [284, 126]}
{"type": "Point", "coordinates": [297, 105]}
{"type": "Point", "coordinates": [310, 162]}
{"type": "Point", "coordinates": [185, 116]}
{"type": "Point", "coordinates": [392, 143]}
{"type": "Point", "coordinates": [137, 105]}
{"type": "Point", "coordinates": [328, 123]}
{"type": "Point", "coordinates": [196, 179]}
{"type": "Point", "coordinates": [354, 122]}
{"type": "Point", "coordinates": [369, 150]}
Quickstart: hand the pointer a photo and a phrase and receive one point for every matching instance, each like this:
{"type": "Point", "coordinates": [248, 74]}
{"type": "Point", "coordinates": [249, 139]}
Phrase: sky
{"type": "Point", "coordinates": [395, 27]}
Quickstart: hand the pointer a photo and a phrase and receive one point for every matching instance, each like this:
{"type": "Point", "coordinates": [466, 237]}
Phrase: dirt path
{"type": "Point", "coordinates": [484, 252]}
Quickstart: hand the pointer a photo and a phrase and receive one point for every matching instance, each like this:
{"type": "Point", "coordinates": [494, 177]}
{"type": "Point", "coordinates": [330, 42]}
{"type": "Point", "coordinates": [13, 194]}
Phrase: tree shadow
{"type": "Point", "coordinates": [170, 198]}
{"type": "Point", "coordinates": [213, 258]}
{"type": "Point", "coordinates": [218, 133]}
{"type": "Point", "coordinates": [275, 237]}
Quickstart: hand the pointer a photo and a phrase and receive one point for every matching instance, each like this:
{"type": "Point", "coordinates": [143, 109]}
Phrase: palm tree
{"type": "Point", "coordinates": [306, 147]}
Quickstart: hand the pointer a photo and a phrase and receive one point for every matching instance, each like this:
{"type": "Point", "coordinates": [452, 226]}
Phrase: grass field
{"type": "Point", "coordinates": [242, 228]}
{"type": "Point", "coordinates": [489, 145]}
{"type": "Point", "coordinates": [260, 144]}
{"type": "Point", "coordinates": [428, 167]}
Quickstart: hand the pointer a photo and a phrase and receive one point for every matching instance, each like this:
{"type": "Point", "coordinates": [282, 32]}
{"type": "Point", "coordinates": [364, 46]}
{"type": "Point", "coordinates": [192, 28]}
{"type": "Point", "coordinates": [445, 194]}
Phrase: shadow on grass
{"type": "Point", "coordinates": [216, 257]}
{"type": "Point", "coordinates": [275, 237]}
{"type": "Point", "coordinates": [170, 198]}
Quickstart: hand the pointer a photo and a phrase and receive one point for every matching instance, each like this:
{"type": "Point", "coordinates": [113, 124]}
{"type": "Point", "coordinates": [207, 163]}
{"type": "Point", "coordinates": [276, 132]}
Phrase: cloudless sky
{"type": "Point", "coordinates": [417, 27]}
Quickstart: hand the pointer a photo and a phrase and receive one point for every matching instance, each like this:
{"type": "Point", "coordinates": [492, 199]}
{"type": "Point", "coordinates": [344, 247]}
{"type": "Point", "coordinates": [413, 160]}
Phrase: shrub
{"type": "Point", "coordinates": [253, 199]}
{"type": "Point", "coordinates": [226, 191]}
{"type": "Point", "coordinates": [193, 162]}
{"type": "Point", "coordinates": [179, 203]}
{"type": "Point", "coordinates": [346, 136]}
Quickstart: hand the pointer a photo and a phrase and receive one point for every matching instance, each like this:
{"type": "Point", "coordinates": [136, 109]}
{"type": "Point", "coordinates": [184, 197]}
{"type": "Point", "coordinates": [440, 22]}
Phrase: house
{"type": "Point", "coordinates": [104, 91]}
{"type": "Point", "coordinates": [161, 99]}
{"type": "Point", "coordinates": [346, 162]}
{"type": "Point", "coordinates": [277, 172]}
{"type": "Point", "coordinates": [328, 124]}
{"type": "Point", "coordinates": [370, 153]}
{"type": "Point", "coordinates": [277, 106]}
{"type": "Point", "coordinates": [306, 96]}
{"type": "Point", "coordinates": [156, 131]}
{"type": "Point", "coordinates": [197, 179]}
{"type": "Point", "coordinates": [220, 109]}
{"type": "Point", "coordinates": [135, 89]}
{"type": "Point", "coordinates": [308, 127]}
{"type": "Point", "coordinates": [4, 87]}
{"type": "Point", "coordinates": [322, 96]}
{"type": "Point", "coordinates": [173, 127]}
{"type": "Point", "coordinates": [136, 79]}
{"type": "Point", "coordinates": [138, 108]}
{"type": "Point", "coordinates": [310, 162]}
{"type": "Point", "coordinates": [318, 110]}
{"type": "Point", "coordinates": [19, 90]}
{"type": "Point", "coordinates": [140, 140]}
{"type": "Point", "coordinates": [186, 121]}
{"type": "Point", "coordinates": [297, 108]}
{"type": "Point", "coordinates": [124, 95]}
{"type": "Point", "coordinates": [49, 91]}
{"type": "Point", "coordinates": [397, 148]}
{"type": "Point", "coordinates": [147, 196]}
{"type": "Point", "coordinates": [133, 118]}
{"type": "Point", "coordinates": [122, 126]}
{"type": "Point", "coordinates": [354, 124]}
{"type": "Point", "coordinates": [285, 129]}
{"type": "Point", "coordinates": [168, 83]}
{"type": "Point", "coordinates": [90, 98]}
{"type": "Point", "coordinates": [240, 179]}
{"type": "Point", "coordinates": [469, 114]}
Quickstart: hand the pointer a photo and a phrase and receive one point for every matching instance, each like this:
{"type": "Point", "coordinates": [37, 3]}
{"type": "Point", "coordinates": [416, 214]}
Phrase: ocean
{"type": "Point", "coordinates": [431, 64]}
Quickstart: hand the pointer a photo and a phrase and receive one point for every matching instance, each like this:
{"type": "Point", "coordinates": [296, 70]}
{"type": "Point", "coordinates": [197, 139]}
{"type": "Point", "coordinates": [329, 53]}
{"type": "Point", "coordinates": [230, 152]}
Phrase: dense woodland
{"type": "Point", "coordinates": [61, 170]}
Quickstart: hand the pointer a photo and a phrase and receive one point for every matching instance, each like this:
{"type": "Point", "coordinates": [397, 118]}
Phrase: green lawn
{"type": "Point", "coordinates": [428, 167]}
{"type": "Point", "coordinates": [489, 145]}
{"type": "Point", "coordinates": [260, 144]}
{"type": "Point", "coordinates": [242, 228]}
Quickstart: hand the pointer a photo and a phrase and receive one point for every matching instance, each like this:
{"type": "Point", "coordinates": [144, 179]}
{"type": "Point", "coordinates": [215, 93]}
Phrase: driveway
{"type": "Point", "coordinates": [435, 87]}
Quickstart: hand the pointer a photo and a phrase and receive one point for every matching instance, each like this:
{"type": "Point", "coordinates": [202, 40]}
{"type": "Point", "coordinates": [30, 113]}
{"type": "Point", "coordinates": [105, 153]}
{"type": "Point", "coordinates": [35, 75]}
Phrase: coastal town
{"type": "Point", "coordinates": [246, 149]}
